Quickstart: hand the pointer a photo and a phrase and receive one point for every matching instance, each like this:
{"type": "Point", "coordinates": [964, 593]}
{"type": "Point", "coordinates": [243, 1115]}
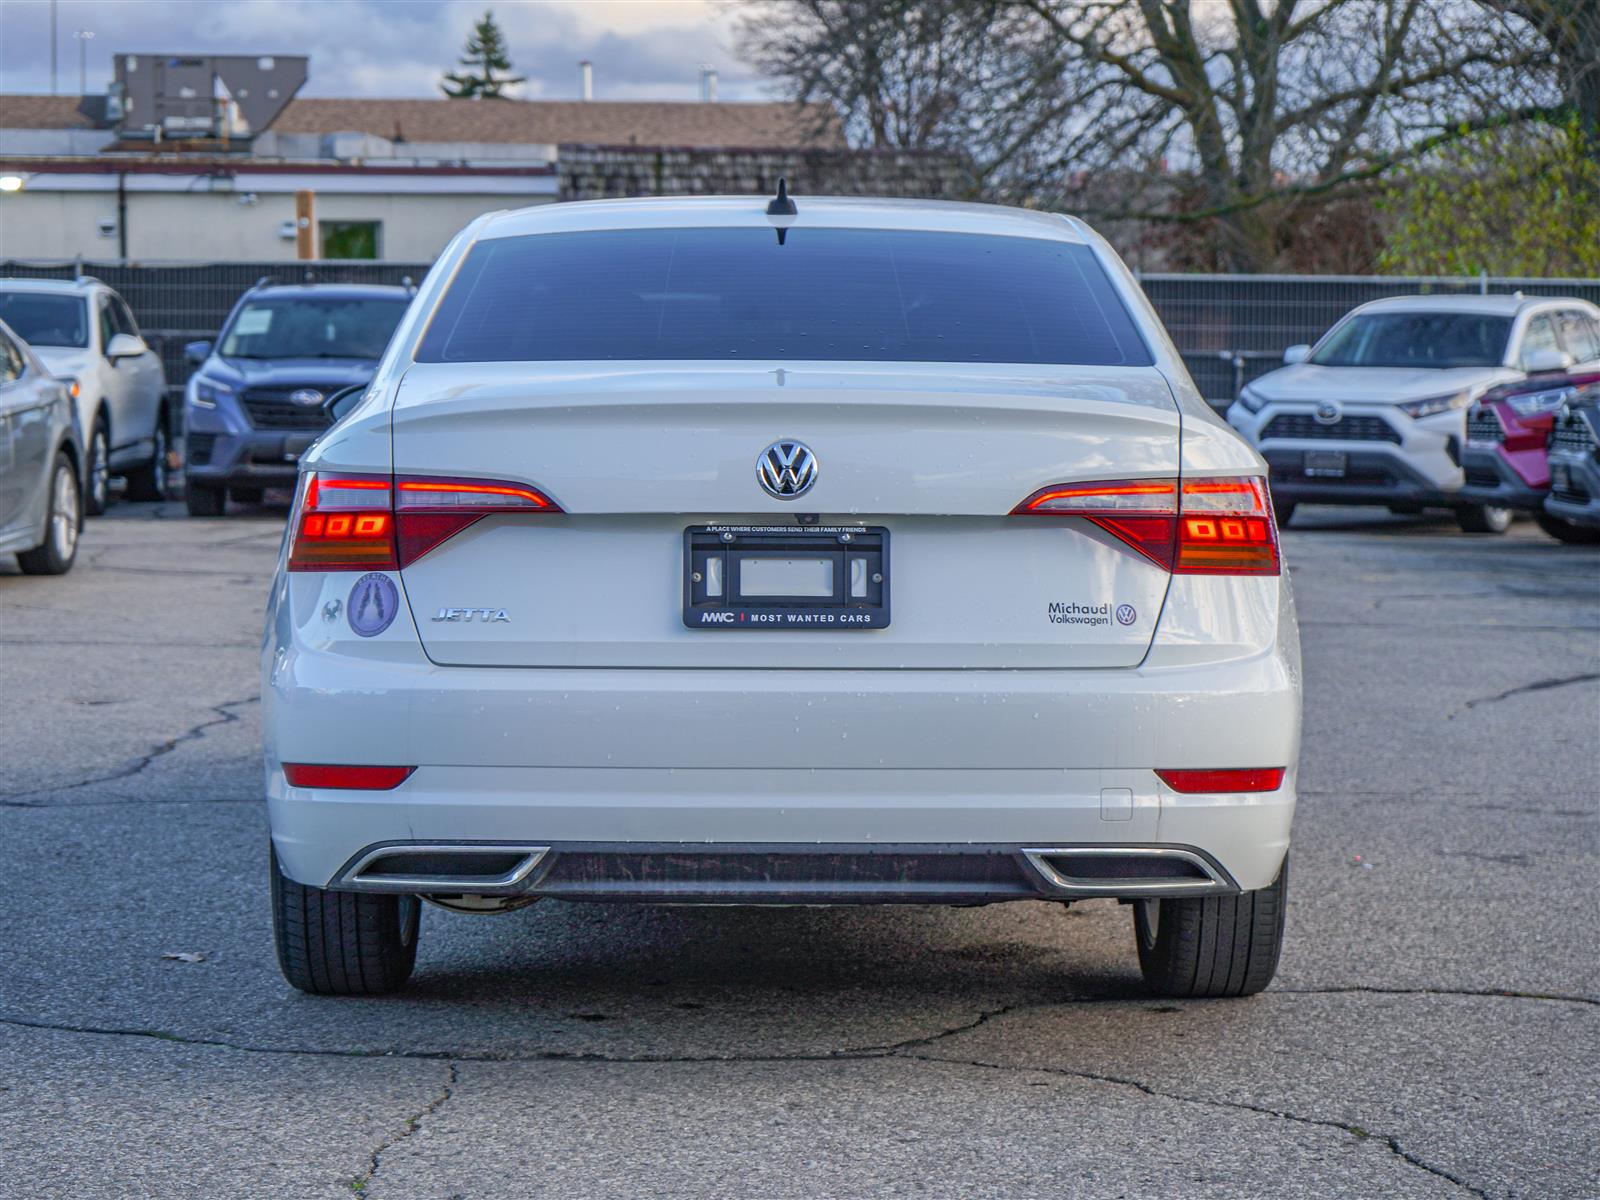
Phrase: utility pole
{"type": "Point", "coordinates": [53, 71]}
{"type": "Point", "coordinates": [83, 36]}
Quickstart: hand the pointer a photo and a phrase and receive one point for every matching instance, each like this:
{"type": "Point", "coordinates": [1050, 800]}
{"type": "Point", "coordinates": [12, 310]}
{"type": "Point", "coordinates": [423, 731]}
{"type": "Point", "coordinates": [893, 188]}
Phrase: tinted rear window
{"type": "Point", "coordinates": [856, 295]}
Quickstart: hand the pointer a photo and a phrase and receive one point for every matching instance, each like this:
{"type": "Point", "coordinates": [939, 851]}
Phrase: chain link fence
{"type": "Point", "coordinates": [1230, 328]}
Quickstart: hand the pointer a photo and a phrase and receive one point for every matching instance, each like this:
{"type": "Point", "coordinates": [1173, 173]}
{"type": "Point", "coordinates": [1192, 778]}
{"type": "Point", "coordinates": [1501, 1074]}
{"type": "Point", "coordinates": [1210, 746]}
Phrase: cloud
{"type": "Point", "coordinates": [640, 48]}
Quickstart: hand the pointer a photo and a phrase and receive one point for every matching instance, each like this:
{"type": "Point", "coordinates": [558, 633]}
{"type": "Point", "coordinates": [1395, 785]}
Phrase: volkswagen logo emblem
{"type": "Point", "coordinates": [1327, 413]}
{"type": "Point", "coordinates": [786, 470]}
{"type": "Point", "coordinates": [306, 397]}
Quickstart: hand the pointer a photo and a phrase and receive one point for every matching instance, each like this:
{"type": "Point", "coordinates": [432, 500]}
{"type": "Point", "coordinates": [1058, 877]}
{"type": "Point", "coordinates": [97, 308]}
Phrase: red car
{"type": "Point", "coordinates": [1504, 459]}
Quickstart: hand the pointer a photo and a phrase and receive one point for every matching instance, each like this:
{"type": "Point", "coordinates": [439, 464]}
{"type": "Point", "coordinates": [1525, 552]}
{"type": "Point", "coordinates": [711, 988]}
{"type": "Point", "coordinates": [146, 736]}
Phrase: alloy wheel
{"type": "Point", "coordinates": [99, 467]}
{"type": "Point", "coordinates": [64, 512]}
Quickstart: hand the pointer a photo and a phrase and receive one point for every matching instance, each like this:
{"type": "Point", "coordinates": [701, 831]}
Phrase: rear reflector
{"type": "Point", "coordinates": [1246, 779]}
{"type": "Point", "coordinates": [1210, 526]}
{"type": "Point", "coordinates": [336, 775]}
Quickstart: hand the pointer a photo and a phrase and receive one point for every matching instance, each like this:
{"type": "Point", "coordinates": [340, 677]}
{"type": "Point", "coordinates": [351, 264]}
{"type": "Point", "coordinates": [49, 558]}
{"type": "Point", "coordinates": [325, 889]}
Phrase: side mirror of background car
{"type": "Point", "coordinates": [197, 352]}
{"type": "Point", "coordinates": [343, 401]}
{"type": "Point", "coordinates": [1542, 362]}
{"type": "Point", "coordinates": [125, 345]}
{"type": "Point", "coordinates": [1296, 354]}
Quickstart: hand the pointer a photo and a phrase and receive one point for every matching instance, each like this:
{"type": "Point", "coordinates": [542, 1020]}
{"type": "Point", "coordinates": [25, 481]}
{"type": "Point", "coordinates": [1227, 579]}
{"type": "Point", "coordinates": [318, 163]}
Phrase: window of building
{"type": "Point", "coordinates": [350, 239]}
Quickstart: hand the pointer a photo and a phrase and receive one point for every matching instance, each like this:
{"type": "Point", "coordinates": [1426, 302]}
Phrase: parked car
{"type": "Point", "coordinates": [258, 399]}
{"type": "Point", "coordinates": [1572, 508]}
{"type": "Point", "coordinates": [1508, 426]}
{"type": "Point", "coordinates": [41, 462]}
{"type": "Point", "coordinates": [1375, 413]}
{"type": "Point", "coordinates": [589, 596]}
{"type": "Point", "coordinates": [84, 333]}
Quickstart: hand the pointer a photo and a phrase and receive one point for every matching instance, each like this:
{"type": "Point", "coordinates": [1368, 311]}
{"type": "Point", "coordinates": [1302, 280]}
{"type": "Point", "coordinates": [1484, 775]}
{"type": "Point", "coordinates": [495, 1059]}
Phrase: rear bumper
{"type": "Point", "coordinates": [1009, 760]}
{"type": "Point", "coordinates": [784, 873]}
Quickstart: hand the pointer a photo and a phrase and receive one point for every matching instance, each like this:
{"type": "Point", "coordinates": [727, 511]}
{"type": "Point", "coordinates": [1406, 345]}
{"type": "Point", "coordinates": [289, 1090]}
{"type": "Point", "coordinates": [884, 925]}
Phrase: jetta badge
{"type": "Point", "coordinates": [786, 470]}
{"type": "Point", "coordinates": [305, 397]}
{"type": "Point", "coordinates": [1327, 413]}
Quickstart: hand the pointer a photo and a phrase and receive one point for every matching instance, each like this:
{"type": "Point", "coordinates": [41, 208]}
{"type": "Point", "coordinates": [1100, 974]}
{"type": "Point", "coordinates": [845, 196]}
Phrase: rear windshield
{"type": "Point", "coordinates": [1417, 339]}
{"type": "Point", "coordinates": [855, 295]}
{"type": "Point", "coordinates": [42, 319]}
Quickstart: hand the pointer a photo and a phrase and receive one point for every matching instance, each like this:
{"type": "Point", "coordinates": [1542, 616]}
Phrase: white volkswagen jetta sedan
{"type": "Point", "coordinates": [719, 551]}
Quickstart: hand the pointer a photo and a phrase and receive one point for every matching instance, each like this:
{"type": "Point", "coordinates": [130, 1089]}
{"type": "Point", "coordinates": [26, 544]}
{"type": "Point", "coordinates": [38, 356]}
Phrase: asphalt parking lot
{"type": "Point", "coordinates": [1434, 1029]}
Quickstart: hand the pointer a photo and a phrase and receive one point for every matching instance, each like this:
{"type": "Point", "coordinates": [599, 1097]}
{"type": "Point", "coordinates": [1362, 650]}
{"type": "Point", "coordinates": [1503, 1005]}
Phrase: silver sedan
{"type": "Point", "coordinates": [41, 463]}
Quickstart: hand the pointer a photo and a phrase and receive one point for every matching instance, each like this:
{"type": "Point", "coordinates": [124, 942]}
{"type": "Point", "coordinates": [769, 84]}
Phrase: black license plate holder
{"type": "Point", "coordinates": [842, 569]}
{"type": "Point", "coordinates": [1325, 464]}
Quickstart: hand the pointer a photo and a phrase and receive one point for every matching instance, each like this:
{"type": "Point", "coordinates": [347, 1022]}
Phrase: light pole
{"type": "Point", "coordinates": [83, 36]}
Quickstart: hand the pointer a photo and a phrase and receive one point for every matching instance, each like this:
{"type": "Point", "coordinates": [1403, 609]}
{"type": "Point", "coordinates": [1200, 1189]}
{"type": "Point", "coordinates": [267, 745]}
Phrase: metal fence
{"type": "Point", "coordinates": [1230, 328]}
{"type": "Point", "coordinates": [1234, 328]}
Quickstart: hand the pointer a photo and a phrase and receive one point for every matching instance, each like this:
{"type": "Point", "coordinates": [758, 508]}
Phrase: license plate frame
{"type": "Point", "coordinates": [1325, 464]}
{"type": "Point", "coordinates": [712, 560]}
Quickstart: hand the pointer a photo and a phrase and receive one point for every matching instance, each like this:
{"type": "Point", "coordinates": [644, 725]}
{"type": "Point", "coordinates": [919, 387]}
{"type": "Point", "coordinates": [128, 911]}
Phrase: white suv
{"type": "Point", "coordinates": [709, 551]}
{"type": "Point", "coordinates": [1376, 412]}
{"type": "Point", "coordinates": [83, 333]}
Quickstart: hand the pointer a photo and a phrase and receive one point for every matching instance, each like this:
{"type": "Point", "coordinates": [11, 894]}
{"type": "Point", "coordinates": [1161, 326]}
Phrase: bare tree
{"type": "Point", "coordinates": [1229, 114]}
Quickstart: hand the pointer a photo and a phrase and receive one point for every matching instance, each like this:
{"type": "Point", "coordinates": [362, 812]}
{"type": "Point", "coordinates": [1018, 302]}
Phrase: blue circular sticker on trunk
{"type": "Point", "coordinates": [373, 605]}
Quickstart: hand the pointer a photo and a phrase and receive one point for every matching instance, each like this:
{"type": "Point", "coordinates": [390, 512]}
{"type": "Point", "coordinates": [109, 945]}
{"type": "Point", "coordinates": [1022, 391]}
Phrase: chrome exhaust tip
{"type": "Point", "coordinates": [451, 869]}
{"type": "Point", "coordinates": [1128, 871]}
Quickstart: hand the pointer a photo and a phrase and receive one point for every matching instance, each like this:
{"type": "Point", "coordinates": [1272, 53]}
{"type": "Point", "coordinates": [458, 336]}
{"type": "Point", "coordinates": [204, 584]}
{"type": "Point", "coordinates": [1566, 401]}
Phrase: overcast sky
{"type": "Point", "coordinates": [640, 48]}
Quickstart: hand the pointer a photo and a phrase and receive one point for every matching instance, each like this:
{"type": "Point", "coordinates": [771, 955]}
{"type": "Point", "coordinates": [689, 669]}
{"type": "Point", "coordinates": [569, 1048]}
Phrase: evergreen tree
{"type": "Point", "coordinates": [486, 53]}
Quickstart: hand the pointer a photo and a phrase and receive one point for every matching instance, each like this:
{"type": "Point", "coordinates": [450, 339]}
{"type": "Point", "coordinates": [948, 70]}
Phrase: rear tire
{"type": "Point", "coordinates": [204, 499]}
{"type": "Point", "coordinates": [343, 943]}
{"type": "Point", "coordinates": [149, 482]}
{"type": "Point", "coordinates": [56, 554]}
{"type": "Point", "coordinates": [246, 495]}
{"type": "Point", "coordinates": [97, 481]}
{"type": "Point", "coordinates": [1568, 531]}
{"type": "Point", "coordinates": [1483, 518]}
{"type": "Point", "coordinates": [1284, 513]}
{"type": "Point", "coordinates": [1212, 945]}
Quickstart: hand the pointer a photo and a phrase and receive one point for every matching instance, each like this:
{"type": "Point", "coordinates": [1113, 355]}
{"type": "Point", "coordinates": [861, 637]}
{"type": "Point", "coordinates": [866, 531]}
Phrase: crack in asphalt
{"type": "Point", "coordinates": [1354, 1130]}
{"type": "Point", "coordinates": [411, 1124]}
{"type": "Point", "coordinates": [1538, 685]}
{"type": "Point", "coordinates": [122, 801]}
{"type": "Point", "coordinates": [850, 1054]}
{"type": "Point", "coordinates": [846, 1054]}
{"type": "Point", "coordinates": [908, 1049]}
{"type": "Point", "coordinates": [1484, 993]}
{"type": "Point", "coordinates": [193, 733]}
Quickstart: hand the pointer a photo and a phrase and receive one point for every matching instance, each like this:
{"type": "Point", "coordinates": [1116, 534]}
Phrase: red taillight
{"type": "Point", "coordinates": [1213, 526]}
{"type": "Point", "coordinates": [1225, 527]}
{"type": "Point", "coordinates": [338, 775]}
{"type": "Point", "coordinates": [371, 523]}
{"type": "Point", "coordinates": [432, 510]}
{"type": "Point", "coordinates": [343, 523]}
{"type": "Point", "coordinates": [1140, 512]}
{"type": "Point", "coordinates": [1246, 779]}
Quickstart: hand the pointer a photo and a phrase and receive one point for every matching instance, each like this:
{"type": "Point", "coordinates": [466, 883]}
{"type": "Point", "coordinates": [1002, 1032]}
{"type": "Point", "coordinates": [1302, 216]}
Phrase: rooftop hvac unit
{"type": "Point", "coordinates": [226, 96]}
